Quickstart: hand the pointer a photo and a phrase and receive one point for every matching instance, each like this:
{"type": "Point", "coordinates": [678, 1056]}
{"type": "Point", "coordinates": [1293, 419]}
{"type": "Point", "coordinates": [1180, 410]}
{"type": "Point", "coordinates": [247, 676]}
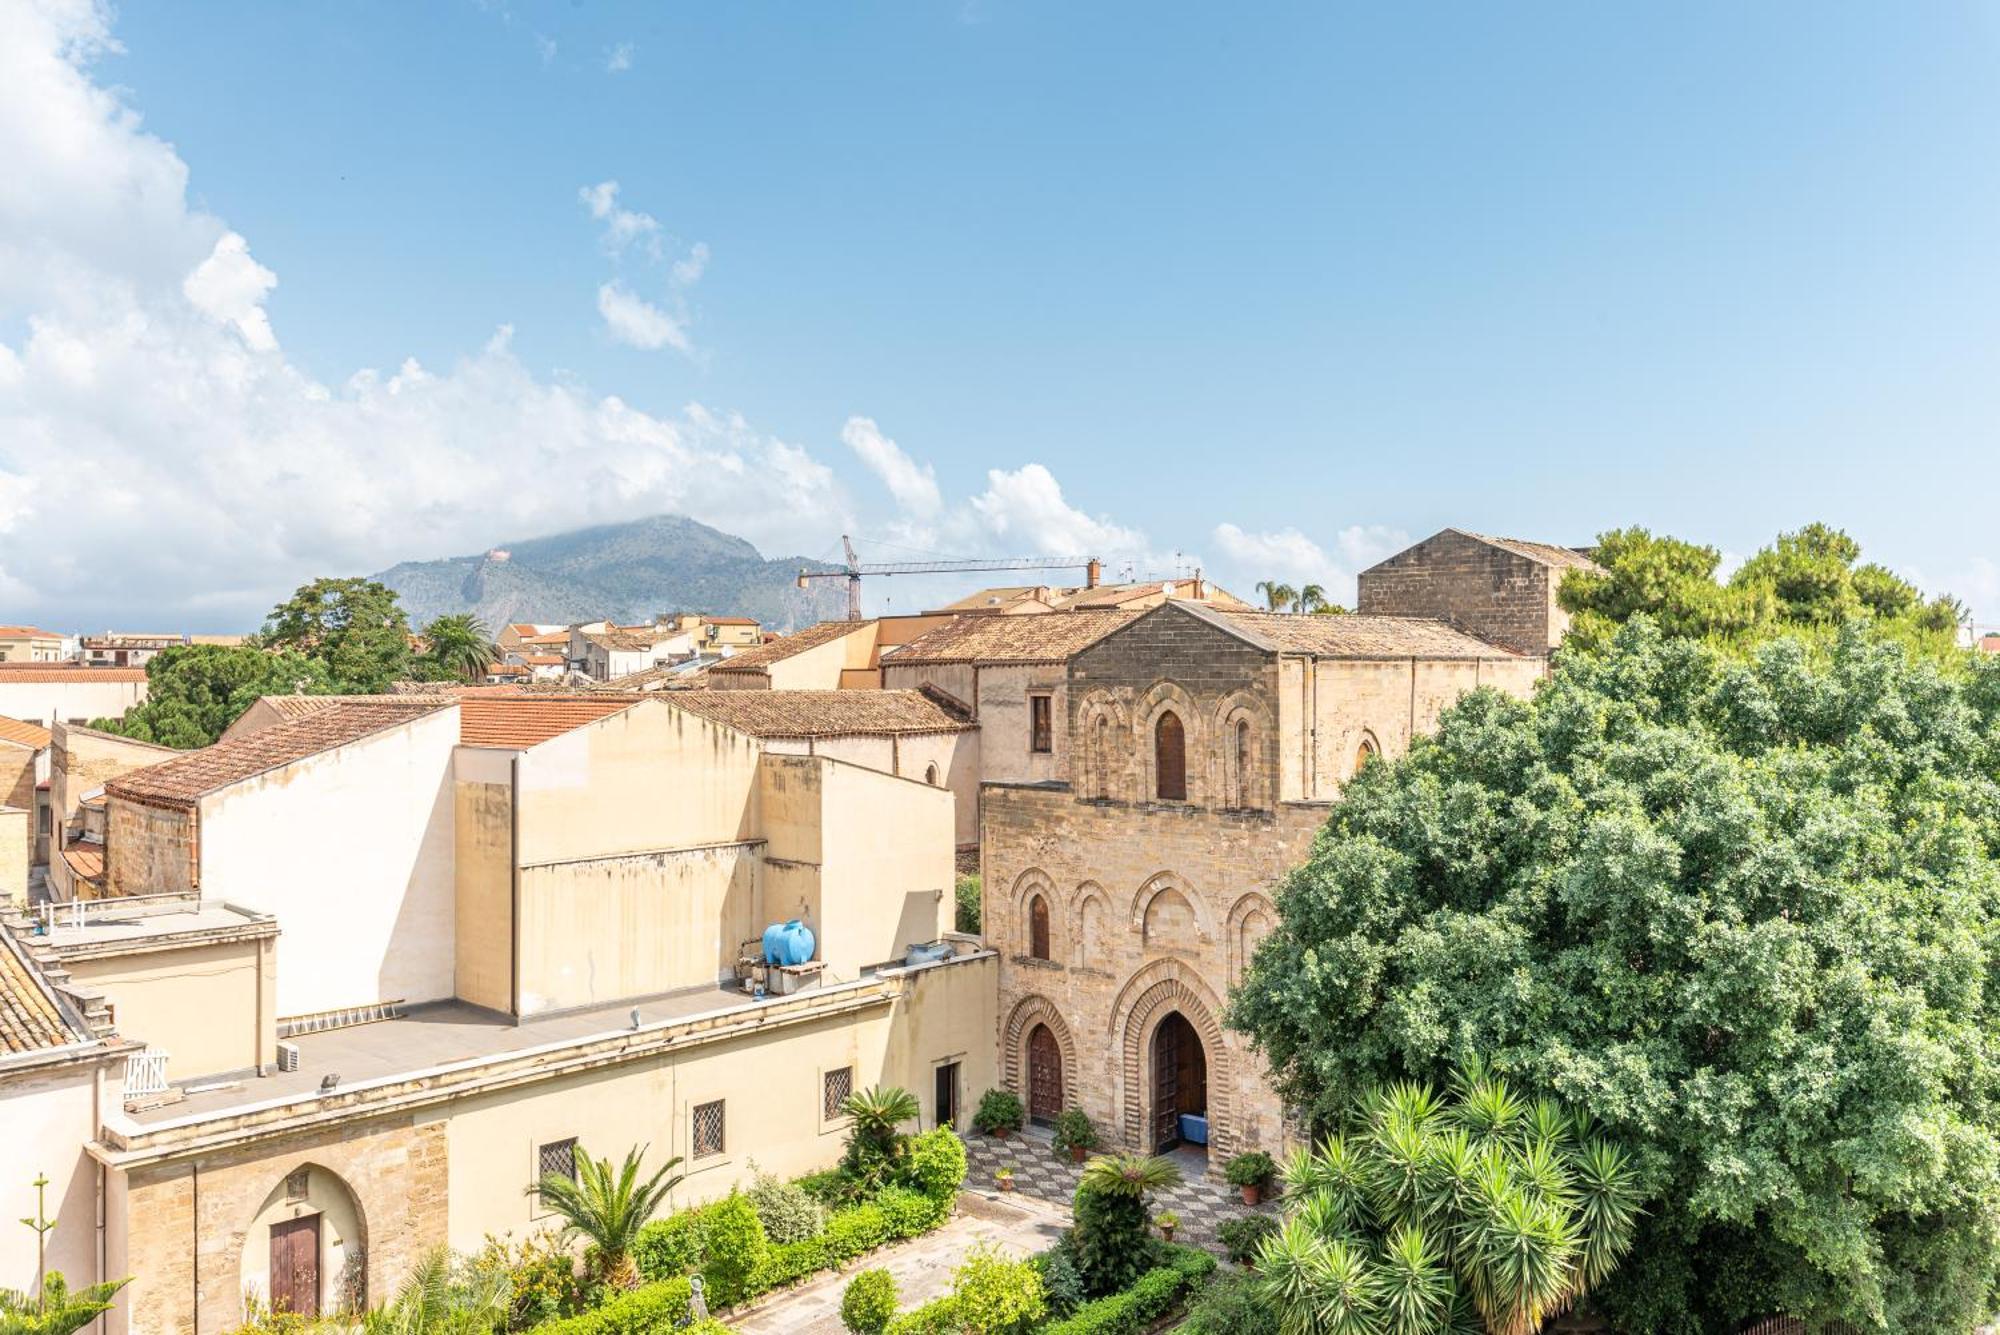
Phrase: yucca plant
{"type": "Point", "coordinates": [1132, 1175]}
{"type": "Point", "coordinates": [1429, 1215]}
{"type": "Point", "coordinates": [608, 1206]}
{"type": "Point", "coordinates": [444, 1296]}
{"type": "Point", "coordinates": [1109, 1243]}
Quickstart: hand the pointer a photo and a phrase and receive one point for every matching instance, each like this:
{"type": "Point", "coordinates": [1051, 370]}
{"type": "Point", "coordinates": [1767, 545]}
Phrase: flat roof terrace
{"type": "Point", "coordinates": [88, 928]}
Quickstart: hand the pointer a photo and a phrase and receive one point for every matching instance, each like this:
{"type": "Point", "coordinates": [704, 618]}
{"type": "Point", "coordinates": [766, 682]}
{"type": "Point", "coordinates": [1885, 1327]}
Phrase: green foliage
{"type": "Point", "coordinates": [995, 1296]}
{"type": "Point", "coordinates": [868, 1302]}
{"type": "Point", "coordinates": [1805, 581]}
{"type": "Point", "coordinates": [1740, 910]}
{"type": "Point", "coordinates": [1130, 1175]}
{"type": "Point", "coordinates": [1150, 1297]}
{"type": "Point", "coordinates": [1074, 1131]}
{"type": "Point", "coordinates": [733, 1249]}
{"type": "Point", "coordinates": [59, 1310]}
{"type": "Point", "coordinates": [874, 1144]}
{"type": "Point", "coordinates": [965, 904]}
{"type": "Point", "coordinates": [935, 1165]}
{"type": "Point", "coordinates": [1278, 597]}
{"type": "Point", "coordinates": [649, 1310]}
{"type": "Point", "coordinates": [1062, 1282]}
{"type": "Point", "coordinates": [443, 1295]}
{"type": "Point", "coordinates": [195, 691]}
{"type": "Point", "coordinates": [1108, 1240]}
{"type": "Point", "coordinates": [1232, 1305]}
{"type": "Point", "coordinates": [999, 1110]}
{"type": "Point", "coordinates": [787, 1211]}
{"type": "Point", "coordinates": [1242, 1236]}
{"type": "Point", "coordinates": [541, 1275]}
{"type": "Point", "coordinates": [671, 1247]}
{"type": "Point", "coordinates": [609, 1207]}
{"type": "Point", "coordinates": [353, 627]}
{"type": "Point", "coordinates": [457, 648]}
{"type": "Point", "coordinates": [1254, 1169]}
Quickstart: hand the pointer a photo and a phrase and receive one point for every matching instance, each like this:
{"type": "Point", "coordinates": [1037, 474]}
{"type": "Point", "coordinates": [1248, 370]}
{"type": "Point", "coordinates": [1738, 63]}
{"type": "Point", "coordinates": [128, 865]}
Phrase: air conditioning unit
{"type": "Point", "coordinates": [288, 1056]}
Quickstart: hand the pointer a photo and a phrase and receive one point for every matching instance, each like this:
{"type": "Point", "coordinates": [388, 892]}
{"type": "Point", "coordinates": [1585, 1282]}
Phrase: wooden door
{"type": "Point", "coordinates": [295, 1266]}
{"type": "Point", "coordinates": [1166, 1085]}
{"type": "Point", "coordinates": [1045, 1075]}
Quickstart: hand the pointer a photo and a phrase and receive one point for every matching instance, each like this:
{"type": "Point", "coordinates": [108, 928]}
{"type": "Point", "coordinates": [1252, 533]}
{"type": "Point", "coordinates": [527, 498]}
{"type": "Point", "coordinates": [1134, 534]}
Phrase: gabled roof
{"type": "Point", "coordinates": [23, 734]}
{"type": "Point", "coordinates": [823, 713]}
{"type": "Point", "coordinates": [46, 674]}
{"type": "Point", "coordinates": [31, 1019]}
{"type": "Point", "coordinates": [27, 633]}
{"type": "Point", "coordinates": [1046, 637]}
{"type": "Point", "coordinates": [518, 722]}
{"type": "Point", "coordinates": [1343, 636]}
{"type": "Point", "coordinates": [184, 781]}
{"type": "Point", "coordinates": [72, 729]}
{"type": "Point", "coordinates": [789, 646]}
{"type": "Point", "coordinates": [1543, 553]}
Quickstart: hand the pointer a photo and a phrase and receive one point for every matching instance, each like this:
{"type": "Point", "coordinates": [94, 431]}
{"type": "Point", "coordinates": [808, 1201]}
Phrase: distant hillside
{"type": "Point", "coordinates": [626, 572]}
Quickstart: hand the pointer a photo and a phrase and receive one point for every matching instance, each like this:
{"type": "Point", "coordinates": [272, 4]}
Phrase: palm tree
{"type": "Point", "coordinates": [460, 646]}
{"type": "Point", "coordinates": [873, 1115]}
{"type": "Point", "coordinates": [443, 1296]}
{"type": "Point", "coordinates": [1129, 1175]}
{"type": "Point", "coordinates": [1278, 597]}
{"type": "Point", "coordinates": [57, 1311]}
{"type": "Point", "coordinates": [608, 1207]}
{"type": "Point", "coordinates": [1312, 598]}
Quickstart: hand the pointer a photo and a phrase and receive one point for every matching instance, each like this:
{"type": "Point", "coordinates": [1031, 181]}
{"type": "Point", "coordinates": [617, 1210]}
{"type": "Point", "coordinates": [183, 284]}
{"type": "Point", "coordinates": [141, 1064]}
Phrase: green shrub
{"type": "Point", "coordinates": [851, 1232]}
{"type": "Point", "coordinates": [671, 1246]}
{"type": "Point", "coordinates": [790, 1262]}
{"type": "Point", "coordinates": [735, 1249]}
{"type": "Point", "coordinates": [1152, 1296]}
{"type": "Point", "coordinates": [869, 1302]}
{"type": "Point", "coordinates": [996, 1296]}
{"type": "Point", "coordinates": [1061, 1283]}
{"type": "Point", "coordinates": [1109, 1242]}
{"type": "Point", "coordinates": [643, 1311]}
{"type": "Point", "coordinates": [935, 1164]}
{"type": "Point", "coordinates": [1230, 1306]}
{"type": "Point", "coordinates": [1242, 1237]}
{"type": "Point", "coordinates": [965, 908]}
{"type": "Point", "coordinates": [788, 1212]}
{"type": "Point", "coordinates": [828, 1188]}
{"type": "Point", "coordinates": [1255, 1169]}
{"type": "Point", "coordinates": [999, 1110]}
{"type": "Point", "coordinates": [936, 1317]}
{"type": "Point", "coordinates": [907, 1212]}
{"type": "Point", "coordinates": [1073, 1131]}
{"type": "Point", "coordinates": [541, 1276]}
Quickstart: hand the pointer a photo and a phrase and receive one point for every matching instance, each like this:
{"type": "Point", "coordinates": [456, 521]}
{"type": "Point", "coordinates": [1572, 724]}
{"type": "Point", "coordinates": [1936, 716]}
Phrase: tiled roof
{"type": "Point", "coordinates": [23, 734]}
{"type": "Point", "coordinates": [75, 728]}
{"type": "Point", "coordinates": [1042, 637]}
{"type": "Point", "coordinates": [729, 621]}
{"type": "Point", "coordinates": [822, 713]}
{"type": "Point", "coordinates": [27, 633]}
{"type": "Point", "coordinates": [542, 660]}
{"type": "Point", "coordinates": [183, 781]}
{"type": "Point", "coordinates": [518, 722]}
{"type": "Point", "coordinates": [85, 860]}
{"type": "Point", "coordinates": [777, 651]}
{"type": "Point", "coordinates": [629, 640]}
{"type": "Point", "coordinates": [30, 1019]}
{"type": "Point", "coordinates": [1350, 636]}
{"type": "Point", "coordinates": [45, 674]}
{"type": "Point", "coordinates": [1545, 553]}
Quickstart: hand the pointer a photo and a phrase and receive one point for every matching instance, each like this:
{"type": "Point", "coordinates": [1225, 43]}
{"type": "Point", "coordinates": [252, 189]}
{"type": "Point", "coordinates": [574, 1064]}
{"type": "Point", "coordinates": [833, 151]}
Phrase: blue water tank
{"type": "Point", "coordinates": [788, 943]}
{"type": "Point", "coordinates": [926, 954]}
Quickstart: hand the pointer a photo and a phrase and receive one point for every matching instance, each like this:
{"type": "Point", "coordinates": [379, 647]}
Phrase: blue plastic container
{"type": "Point", "coordinates": [1194, 1130]}
{"type": "Point", "coordinates": [788, 943]}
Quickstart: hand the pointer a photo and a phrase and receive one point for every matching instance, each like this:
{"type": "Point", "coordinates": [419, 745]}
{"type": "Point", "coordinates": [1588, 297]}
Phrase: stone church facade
{"type": "Point", "coordinates": [1126, 897]}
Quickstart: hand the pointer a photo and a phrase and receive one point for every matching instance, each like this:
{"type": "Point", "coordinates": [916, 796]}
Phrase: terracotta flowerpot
{"type": "Point", "coordinates": [1076, 1153]}
{"type": "Point", "coordinates": [999, 1133]}
{"type": "Point", "coordinates": [1006, 1183]}
{"type": "Point", "coordinates": [1166, 1234]}
{"type": "Point", "coordinates": [1252, 1194]}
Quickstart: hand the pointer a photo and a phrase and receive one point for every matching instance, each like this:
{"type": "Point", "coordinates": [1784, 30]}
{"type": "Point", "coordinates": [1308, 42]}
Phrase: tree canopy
{"type": "Point", "coordinates": [1743, 909]}
{"type": "Point", "coordinates": [1809, 581]}
{"type": "Point", "coordinates": [353, 626]}
{"type": "Point", "coordinates": [456, 648]}
{"type": "Point", "coordinates": [195, 691]}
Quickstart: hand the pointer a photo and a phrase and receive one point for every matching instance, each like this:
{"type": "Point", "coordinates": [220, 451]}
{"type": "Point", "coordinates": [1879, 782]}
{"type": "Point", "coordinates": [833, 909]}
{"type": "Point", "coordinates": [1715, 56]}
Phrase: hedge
{"type": "Point", "coordinates": [1155, 1294]}
{"type": "Point", "coordinates": [643, 1311]}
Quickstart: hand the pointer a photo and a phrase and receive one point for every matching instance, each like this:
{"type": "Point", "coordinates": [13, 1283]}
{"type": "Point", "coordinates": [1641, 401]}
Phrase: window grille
{"type": "Point", "coordinates": [839, 1084]}
{"type": "Point", "coordinates": [557, 1159]}
{"type": "Point", "coordinates": [707, 1129]}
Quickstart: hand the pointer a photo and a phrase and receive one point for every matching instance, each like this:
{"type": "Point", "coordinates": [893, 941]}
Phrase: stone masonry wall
{"type": "Point", "coordinates": [150, 850]}
{"type": "Point", "coordinates": [1496, 594]}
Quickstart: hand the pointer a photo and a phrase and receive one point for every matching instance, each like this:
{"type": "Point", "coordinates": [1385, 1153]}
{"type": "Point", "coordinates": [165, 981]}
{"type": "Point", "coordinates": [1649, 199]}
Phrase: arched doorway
{"type": "Point", "coordinates": [1180, 1084]}
{"type": "Point", "coordinates": [305, 1251]}
{"type": "Point", "coordinates": [1045, 1076]}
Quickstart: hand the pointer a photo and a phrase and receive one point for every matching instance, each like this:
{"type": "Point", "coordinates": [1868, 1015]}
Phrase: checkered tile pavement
{"type": "Point", "coordinates": [1203, 1203]}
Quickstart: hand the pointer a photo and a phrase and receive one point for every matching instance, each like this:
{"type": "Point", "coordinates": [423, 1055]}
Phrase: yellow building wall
{"type": "Point", "coordinates": [483, 878]}
{"type": "Point", "coordinates": [16, 841]}
{"type": "Point", "coordinates": [887, 866]}
{"type": "Point", "coordinates": [211, 1006]}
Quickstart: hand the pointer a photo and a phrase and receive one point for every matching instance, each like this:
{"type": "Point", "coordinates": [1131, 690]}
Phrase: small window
{"type": "Point", "coordinates": [1169, 758]}
{"type": "Point", "coordinates": [556, 1159]}
{"type": "Point", "coordinates": [931, 776]}
{"type": "Point", "coordinates": [1041, 734]}
{"type": "Point", "coordinates": [1038, 928]}
{"type": "Point", "coordinates": [707, 1136]}
{"type": "Point", "coordinates": [835, 1087]}
{"type": "Point", "coordinates": [1364, 753]}
{"type": "Point", "coordinates": [298, 1184]}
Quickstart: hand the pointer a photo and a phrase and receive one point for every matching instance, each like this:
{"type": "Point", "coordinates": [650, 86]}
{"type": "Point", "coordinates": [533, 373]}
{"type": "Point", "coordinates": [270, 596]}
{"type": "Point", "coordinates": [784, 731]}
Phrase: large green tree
{"type": "Point", "coordinates": [195, 691]}
{"type": "Point", "coordinates": [353, 626]}
{"type": "Point", "coordinates": [457, 648]}
{"type": "Point", "coordinates": [1743, 909]}
{"type": "Point", "coordinates": [1810, 581]}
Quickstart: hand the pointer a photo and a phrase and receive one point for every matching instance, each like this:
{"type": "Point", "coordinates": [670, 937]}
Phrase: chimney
{"type": "Point", "coordinates": [1093, 573]}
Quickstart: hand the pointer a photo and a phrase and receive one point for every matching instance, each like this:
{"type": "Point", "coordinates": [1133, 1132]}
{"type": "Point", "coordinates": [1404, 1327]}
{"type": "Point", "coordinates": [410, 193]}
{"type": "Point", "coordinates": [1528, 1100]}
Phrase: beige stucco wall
{"type": "Point", "coordinates": [483, 834]}
{"type": "Point", "coordinates": [49, 703]}
{"type": "Point", "coordinates": [954, 754]}
{"type": "Point", "coordinates": [16, 843]}
{"type": "Point", "coordinates": [49, 1115]}
{"type": "Point", "coordinates": [210, 1006]}
{"type": "Point", "coordinates": [352, 846]}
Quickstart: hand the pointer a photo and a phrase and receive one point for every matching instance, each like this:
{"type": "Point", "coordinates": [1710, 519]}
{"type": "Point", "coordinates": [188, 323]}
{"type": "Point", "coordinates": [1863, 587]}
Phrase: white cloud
{"type": "Point", "coordinates": [914, 485]}
{"type": "Point", "coordinates": [1290, 557]}
{"type": "Point", "coordinates": [231, 286]}
{"type": "Point", "coordinates": [545, 47]}
{"type": "Point", "coordinates": [620, 58]}
{"type": "Point", "coordinates": [688, 271]}
{"type": "Point", "coordinates": [623, 227]}
{"type": "Point", "coordinates": [633, 320]}
{"type": "Point", "coordinates": [1026, 507]}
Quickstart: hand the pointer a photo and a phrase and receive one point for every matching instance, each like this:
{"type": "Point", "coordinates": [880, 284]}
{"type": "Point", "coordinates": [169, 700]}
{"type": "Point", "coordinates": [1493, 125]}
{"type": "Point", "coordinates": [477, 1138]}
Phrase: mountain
{"type": "Point", "coordinates": [625, 572]}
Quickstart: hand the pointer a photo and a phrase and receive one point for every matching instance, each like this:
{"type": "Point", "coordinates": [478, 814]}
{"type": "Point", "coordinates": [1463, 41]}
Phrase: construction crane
{"type": "Point", "coordinates": [1091, 567]}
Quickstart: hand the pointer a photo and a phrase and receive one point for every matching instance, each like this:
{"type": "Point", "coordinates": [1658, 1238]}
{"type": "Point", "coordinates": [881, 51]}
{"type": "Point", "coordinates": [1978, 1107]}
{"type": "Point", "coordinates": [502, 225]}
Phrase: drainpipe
{"type": "Point", "coordinates": [514, 887]}
{"type": "Point", "coordinates": [194, 1243]}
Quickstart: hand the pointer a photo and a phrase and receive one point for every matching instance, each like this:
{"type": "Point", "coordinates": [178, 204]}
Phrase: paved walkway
{"type": "Point", "coordinates": [922, 1266]}
{"type": "Point", "coordinates": [1203, 1203]}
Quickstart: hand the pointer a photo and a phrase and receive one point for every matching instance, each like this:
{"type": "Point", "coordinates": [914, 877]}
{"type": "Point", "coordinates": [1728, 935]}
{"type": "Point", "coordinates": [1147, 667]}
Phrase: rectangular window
{"type": "Point", "coordinates": [836, 1086]}
{"type": "Point", "coordinates": [707, 1132]}
{"type": "Point", "coordinates": [1041, 734]}
{"type": "Point", "coordinates": [556, 1159]}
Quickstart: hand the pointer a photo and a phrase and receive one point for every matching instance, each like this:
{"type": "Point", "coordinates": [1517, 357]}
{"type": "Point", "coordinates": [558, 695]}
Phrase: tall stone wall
{"type": "Point", "coordinates": [151, 850]}
{"type": "Point", "coordinates": [1496, 594]}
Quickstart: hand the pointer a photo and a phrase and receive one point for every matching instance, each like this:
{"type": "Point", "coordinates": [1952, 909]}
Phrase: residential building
{"type": "Point", "coordinates": [119, 649]}
{"type": "Point", "coordinates": [52, 693]}
{"type": "Point", "coordinates": [24, 782]}
{"type": "Point", "coordinates": [832, 655]}
{"type": "Point", "coordinates": [1028, 599]}
{"type": "Point", "coordinates": [602, 651]}
{"type": "Point", "coordinates": [522, 636]}
{"type": "Point", "coordinates": [30, 644]}
{"type": "Point", "coordinates": [81, 761]}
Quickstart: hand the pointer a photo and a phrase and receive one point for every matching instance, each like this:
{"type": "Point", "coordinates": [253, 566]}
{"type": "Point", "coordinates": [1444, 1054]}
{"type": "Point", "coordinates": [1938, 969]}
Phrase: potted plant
{"type": "Point", "coordinates": [1252, 1172]}
{"type": "Point", "coordinates": [1075, 1134]}
{"type": "Point", "coordinates": [1005, 1178]}
{"type": "Point", "coordinates": [1167, 1221]}
{"type": "Point", "coordinates": [999, 1112]}
{"type": "Point", "coordinates": [1243, 1237]}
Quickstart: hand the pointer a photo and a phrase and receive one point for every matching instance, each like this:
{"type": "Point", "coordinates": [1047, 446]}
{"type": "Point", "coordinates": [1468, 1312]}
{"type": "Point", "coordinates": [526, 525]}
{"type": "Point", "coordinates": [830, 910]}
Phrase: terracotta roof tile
{"type": "Point", "coordinates": [27, 633]}
{"type": "Point", "coordinates": [518, 722]}
{"type": "Point", "coordinates": [729, 621]}
{"type": "Point", "coordinates": [30, 1019]}
{"type": "Point", "coordinates": [184, 781]}
{"type": "Point", "coordinates": [1546, 553]}
{"type": "Point", "coordinates": [85, 860]}
{"type": "Point", "coordinates": [822, 713]}
{"type": "Point", "coordinates": [1352, 636]}
{"type": "Point", "coordinates": [45, 674]}
{"type": "Point", "coordinates": [1042, 637]}
{"type": "Point", "coordinates": [778, 650]}
{"type": "Point", "coordinates": [23, 734]}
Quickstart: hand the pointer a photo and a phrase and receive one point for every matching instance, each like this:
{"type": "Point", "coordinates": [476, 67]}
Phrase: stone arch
{"type": "Point", "coordinates": [1013, 938]}
{"type": "Point", "coordinates": [1148, 997]}
{"type": "Point", "coordinates": [1090, 898]}
{"type": "Point", "coordinates": [1021, 1021]}
{"type": "Point", "coordinates": [1102, 726]}
{"type": "Point", "coordinates": [1253, 789]}
{"type": "Point", "coordinates": [1365, 746]}
{"type": "Point", "coordinates": [931, 774]}
{"type": "Point", "coordinates": [1161, 881]}
{"type": "Point", "coordinates": [1165, 697]}
{"type": "Point", "coordinates": [307, 1189]}
{"type": "Point", "coordinates": [1243, 930]}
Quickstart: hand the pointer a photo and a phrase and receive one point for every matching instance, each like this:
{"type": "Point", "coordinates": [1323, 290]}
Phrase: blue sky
{"type": "Point", "coordinates": [1275, 286]}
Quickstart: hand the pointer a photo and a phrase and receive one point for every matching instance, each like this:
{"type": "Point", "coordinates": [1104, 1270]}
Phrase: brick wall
{"type": "Point", "coordinates": [150, 850]}
{"type": "Point", "coordinates": [1494, 593]}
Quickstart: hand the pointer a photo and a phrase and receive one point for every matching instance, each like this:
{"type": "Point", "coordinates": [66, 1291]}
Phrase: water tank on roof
{"type": "Point", "coordinates": [788, 943]}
